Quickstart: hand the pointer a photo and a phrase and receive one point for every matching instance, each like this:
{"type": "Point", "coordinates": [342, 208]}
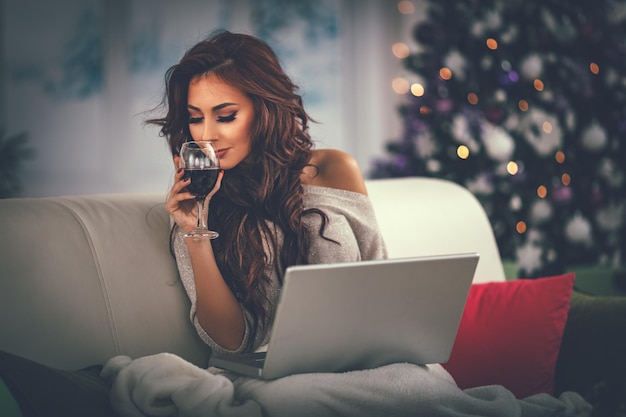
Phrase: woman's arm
{"type": "Point", "coordinates": [217, 310]}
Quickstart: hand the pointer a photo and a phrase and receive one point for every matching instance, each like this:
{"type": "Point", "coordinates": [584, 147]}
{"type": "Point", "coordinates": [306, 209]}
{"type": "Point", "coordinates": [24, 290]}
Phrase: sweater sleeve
{"type": "Point", "coordinates": [186, 275]}
{"type": "Point", "coordinates": [352, 232]}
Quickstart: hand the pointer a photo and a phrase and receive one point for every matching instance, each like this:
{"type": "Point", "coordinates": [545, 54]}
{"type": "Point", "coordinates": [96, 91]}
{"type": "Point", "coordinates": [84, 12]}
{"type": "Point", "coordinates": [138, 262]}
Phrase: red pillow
{"type": "Point", "coordinates": [510, 334]}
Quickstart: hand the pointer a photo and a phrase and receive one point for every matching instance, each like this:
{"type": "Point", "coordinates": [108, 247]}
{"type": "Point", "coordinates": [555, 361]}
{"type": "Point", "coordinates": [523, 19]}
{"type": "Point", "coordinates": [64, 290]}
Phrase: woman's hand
{"type": "Point", "coordinates": [181, 203]}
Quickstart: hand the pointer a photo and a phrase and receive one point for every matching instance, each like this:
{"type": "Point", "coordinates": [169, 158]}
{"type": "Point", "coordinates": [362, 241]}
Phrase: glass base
{"type": "Point", "coordinates": [201, 234]}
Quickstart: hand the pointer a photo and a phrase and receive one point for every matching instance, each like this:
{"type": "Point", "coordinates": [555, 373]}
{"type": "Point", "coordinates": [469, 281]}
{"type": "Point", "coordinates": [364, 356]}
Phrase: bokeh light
{"type": "Point", "coordinates": [560, 157]}
{"type": "Point", "coordinates": [400, 50]}
{"type": "Point", "coordinates": [542, 191]}
{"type": "Point", "coordinates": [463, 152]}
{"type": "Point", "coordinates": [417, 89]}
{"type": "Point", "coordinates": [406, 7]}
{"type": "Point", "coordinates": [512, 167]}
{"type": "Point", "coordinates": [445, 73]}
{"type": "Point", "coordinates": [566, 179]}
{"type": "Point", "coordinates": [400, 85]}
{"type": "Point", "coordinates": [522, 105]}
{"type": "Point", "coordinates": [472, 98]}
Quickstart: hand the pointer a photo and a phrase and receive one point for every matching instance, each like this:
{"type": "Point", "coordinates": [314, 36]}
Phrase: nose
{"type": "Point", "coordinates": [209, 132]}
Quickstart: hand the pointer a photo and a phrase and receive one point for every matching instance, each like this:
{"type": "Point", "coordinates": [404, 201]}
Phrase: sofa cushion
{"type": "Point", "coordinates": [510, 334]}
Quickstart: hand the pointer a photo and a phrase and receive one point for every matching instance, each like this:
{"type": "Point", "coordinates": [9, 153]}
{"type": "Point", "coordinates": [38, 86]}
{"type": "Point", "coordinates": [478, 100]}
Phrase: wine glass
{"type": "Point", "coordinates": [200, 163]}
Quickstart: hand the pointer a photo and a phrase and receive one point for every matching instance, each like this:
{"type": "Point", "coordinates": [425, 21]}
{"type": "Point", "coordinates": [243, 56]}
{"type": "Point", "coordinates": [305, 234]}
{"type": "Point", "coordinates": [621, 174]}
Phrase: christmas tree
{"type": "Point", "coordinates": [524, 104]}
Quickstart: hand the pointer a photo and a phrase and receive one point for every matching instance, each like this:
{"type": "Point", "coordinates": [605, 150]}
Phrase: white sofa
{"type": "Point", "coordinates": [84, 278]}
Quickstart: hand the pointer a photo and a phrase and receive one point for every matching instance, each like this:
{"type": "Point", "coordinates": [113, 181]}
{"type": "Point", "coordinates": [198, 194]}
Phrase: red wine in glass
{"type": "Point", "coordinates": [202, 181]}
{"type": "Point", "coordinates": [200, 163]}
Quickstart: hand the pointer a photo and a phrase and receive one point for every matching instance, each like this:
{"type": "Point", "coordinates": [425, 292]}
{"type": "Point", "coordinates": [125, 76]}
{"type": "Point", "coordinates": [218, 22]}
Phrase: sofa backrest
{"type": "Point", "coordinates": [85, 278]}
{"type": "Point", "coordinates": [429, 216]}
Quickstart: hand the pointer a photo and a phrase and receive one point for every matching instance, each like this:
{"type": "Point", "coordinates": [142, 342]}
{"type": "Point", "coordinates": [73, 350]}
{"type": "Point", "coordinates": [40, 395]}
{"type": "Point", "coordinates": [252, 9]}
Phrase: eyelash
{"type": "Point", "coordinates": [221, 119]}
{"type": "Point", "coordinates": [229, 118]}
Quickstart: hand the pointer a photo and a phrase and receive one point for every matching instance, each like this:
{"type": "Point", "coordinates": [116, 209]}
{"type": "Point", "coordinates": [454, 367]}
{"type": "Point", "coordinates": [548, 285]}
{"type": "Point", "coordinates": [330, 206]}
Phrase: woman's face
{"type": "Point", "coordinates": [223, 114]}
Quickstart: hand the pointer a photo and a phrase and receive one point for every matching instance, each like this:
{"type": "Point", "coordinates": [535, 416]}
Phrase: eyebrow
{"type": "Point", "coordinates": [215, 108]}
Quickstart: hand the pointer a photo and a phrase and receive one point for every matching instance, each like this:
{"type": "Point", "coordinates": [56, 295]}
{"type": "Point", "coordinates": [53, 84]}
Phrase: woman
{"type": "Point", "coordinates": [277, 202]}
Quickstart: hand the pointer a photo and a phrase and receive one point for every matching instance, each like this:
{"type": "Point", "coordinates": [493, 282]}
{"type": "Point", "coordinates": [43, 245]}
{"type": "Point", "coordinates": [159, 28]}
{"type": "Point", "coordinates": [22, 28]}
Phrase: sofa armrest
{"type": "Point", "coordinates": [592, 357]}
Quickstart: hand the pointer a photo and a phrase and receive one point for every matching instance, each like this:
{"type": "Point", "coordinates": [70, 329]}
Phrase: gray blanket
{"type": "Point", "coordinates": [167, 385]}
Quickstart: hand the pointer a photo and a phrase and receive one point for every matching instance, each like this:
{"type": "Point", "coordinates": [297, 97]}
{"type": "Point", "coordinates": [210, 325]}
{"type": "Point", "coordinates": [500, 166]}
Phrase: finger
{"type": "Point", "coordinates": [179, 201]}
{"type": "Point", "coordinates": [179, 184]}
{"type": "Point", "coordinates": [218, 183]}
{"type": "Point", "coordinates": [180, 173]}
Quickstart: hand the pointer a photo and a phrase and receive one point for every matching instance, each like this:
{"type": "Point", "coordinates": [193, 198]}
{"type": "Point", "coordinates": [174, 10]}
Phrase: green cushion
{"type": "Point", "coordinates": [592, 358]}
{"type": "Point", "coordinates": [8, 405]}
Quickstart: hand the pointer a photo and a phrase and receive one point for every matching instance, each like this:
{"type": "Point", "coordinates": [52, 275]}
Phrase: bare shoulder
{"type": "Point", "coordinates": [335, 169]}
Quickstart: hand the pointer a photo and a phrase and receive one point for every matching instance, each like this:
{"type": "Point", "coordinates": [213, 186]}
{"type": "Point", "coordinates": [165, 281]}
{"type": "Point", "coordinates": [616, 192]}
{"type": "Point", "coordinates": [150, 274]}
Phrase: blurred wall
{"type": "Point", "coordinates": [79, 75]}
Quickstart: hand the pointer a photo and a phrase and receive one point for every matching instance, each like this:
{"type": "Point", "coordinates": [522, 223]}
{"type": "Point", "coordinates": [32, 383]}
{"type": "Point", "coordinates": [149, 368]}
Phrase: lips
{"type": "Point", "coordinates": [221, 152]}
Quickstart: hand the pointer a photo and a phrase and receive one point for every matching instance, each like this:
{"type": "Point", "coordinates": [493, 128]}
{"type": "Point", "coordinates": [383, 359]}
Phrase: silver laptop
{"type": "Point", "coordinates": [360, 315]}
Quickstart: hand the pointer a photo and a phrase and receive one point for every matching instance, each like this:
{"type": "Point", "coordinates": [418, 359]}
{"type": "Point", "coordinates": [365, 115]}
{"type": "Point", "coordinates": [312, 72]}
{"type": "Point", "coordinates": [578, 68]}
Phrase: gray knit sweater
{"type": "Point", "coordinates": [351, 223]}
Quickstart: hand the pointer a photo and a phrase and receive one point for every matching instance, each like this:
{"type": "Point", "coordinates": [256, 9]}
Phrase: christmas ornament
{"type": "Point", "coordinates": [594, 137]}
{"type": "Point", "coordinates": [578, 230]}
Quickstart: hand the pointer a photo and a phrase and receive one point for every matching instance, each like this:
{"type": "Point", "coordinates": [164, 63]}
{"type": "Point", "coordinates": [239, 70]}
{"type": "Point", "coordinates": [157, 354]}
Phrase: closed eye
{"type": "Point", "coordinates": [194, 120]}
{"type": "Point", "coordinates": [227, 118]}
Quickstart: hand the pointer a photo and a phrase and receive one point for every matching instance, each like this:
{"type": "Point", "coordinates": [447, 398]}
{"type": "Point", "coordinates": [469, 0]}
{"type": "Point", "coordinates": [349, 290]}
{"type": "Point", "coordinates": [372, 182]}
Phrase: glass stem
{"type": "Point", "coordinates": [202, 214]}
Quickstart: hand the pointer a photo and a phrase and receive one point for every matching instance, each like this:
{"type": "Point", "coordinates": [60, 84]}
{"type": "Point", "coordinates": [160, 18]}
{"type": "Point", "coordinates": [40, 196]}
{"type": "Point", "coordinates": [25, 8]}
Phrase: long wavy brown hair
{"type": "Point", "coordinates": [260, 200]}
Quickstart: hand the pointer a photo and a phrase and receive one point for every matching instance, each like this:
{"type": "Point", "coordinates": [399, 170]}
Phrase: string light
{"type": "Point", "coordinates": [445, 73]}
{"type": "Point", "coordinates": [520, 227]}
{"type": "Point", "coordinates": [594, 68]}
{"type": "Point", "coordinates": [512, 168]}
{"type": "Point", "coordinates": [547, 127]}
{"type": "Point", "coordinates": [538, 84]}
{"type": "Point", "coordinates": [406, 7]}
{"type": "Point", "coordinates": [417, 89]}
{"type": "Point", "coordinates": [522, 105]}
{"type": "Point", "coordinates": [492, 44]}
{"type": "Point", "coordinates": [400, 85]}
{"type": "Point", "coordinates": [463, 152]}
{"type": "Point", "coordinates": [566, 179]}
{"type": "Point", "coordinates": [542, 191]}
{"type": "Point", "coordinates": [560, 157]}
{"type": "Point", "coordinates": [400, 50]}
{"type": "Point", "coordinates": [472, 98]}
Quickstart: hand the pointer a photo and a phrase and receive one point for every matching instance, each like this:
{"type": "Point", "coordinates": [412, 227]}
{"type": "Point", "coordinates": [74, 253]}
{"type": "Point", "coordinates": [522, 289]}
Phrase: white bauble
{"type": "Point", "coordinates": [545, 142]}
{"type": "Point", "coordinates": [528, 257]}
{"type": "Point", "coordinates": [611, 217]}
{"type": "Point", "coordinates": [578, 230]}
{"type": "Point", "coordinates": [594, 137]}
{"type": "Point", "coordinates": [515, 203]}
{"type": "Point", "coordinates": [461, 132]}
{"type": "Point", "coordinates": [532, 67]}
{"type": "Point", "coordinates": [425, 145]}
{"type": "Point", "coordinates": [481, 184]}
{"type": "Point", "coordinates": [493, 20]}
{"type": "Point", "coordinates": [540, 211]}
{"type": "Point", "coordinates": [456, 63]}
{"type": "Point", "coordinates": [498, 143]}
{"type": "Point", "coordinates": [433, 166]}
